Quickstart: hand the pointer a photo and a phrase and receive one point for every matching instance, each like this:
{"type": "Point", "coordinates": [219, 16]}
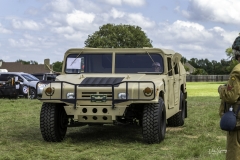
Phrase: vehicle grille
{"type": "Point", "coordinates": [88, 94]}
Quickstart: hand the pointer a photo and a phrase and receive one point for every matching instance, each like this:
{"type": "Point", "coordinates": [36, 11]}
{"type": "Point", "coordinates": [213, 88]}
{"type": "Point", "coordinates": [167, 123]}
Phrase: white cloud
{"type": "Point", "coordinates": [139, 20]}
{"type": "Point", "coordinates": [27, 24]}
{"type": "Point", "coordinates": [51, 22]}
{"type": "Point", "coordinates": [116, 14]}
{"type": "Point", "coordinates": [183, 32]}
{"type": "Point", "coordinates": [114, 2]}
{"type": "Point", "coordinates": [3, 30]}
{"type": "Point", "coordinates": [135, 3]}
{"type": "Point", "coordinates": [77, 36]}
{"type": "Point", "coordinates": [60, 5]}
{"type": "Point", "coordinates": [60, 30]}
{"type": "Point", "coordinates": [21, 43]}
{"type": "Point", "coordinates": [192, 39]}
{"type": "Point", "coordinates": [78, 18]}
{"type": "Point", "coordinates": [212, 10]}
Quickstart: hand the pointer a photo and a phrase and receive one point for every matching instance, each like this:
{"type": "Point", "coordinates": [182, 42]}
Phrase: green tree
{"type": "Point", "coordinates": [57, 66]}
{"type": "Point", "coordinates": [186, 68]}
{"type": "Point", "coordinates": [193, 62]}
{"type": "Point", "coordinates": [26, 62]}
{"type": "Point", "coordinates": [199, 71]}
{"type": "Point", "coordinates": [233, 62]}
{"type": "Point", "coordinates": [118, 36]}
{"type": "Point", "coordinates": [229, 53]}
{"type": "Point", "coordinates": [183, 60]}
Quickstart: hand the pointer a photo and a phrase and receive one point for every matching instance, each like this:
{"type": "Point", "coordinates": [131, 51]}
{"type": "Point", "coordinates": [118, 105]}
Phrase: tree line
{"type": "Point", "coordinates": [206, 67]}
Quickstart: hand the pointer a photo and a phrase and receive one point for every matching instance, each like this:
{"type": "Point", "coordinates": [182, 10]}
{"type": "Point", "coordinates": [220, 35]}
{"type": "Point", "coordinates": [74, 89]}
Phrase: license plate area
{"type": "Point", "coordinates": [98, 98]}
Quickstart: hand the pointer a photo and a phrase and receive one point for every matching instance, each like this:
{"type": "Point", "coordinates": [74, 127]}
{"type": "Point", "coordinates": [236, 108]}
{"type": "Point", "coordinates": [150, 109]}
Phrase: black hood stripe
{"type": "Point", "coordinates": [100, 81]}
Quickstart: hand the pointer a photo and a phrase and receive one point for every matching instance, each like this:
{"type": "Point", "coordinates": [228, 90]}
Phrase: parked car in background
{"type": "Point", "coordinates": [27, 81]}
{"type": "Point", "coordinates": [45, 76]}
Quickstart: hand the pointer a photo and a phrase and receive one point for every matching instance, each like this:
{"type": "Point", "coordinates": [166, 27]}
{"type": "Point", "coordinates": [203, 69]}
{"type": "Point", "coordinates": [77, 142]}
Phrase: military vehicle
{"type": "Point", "coordinates": [116, 86]}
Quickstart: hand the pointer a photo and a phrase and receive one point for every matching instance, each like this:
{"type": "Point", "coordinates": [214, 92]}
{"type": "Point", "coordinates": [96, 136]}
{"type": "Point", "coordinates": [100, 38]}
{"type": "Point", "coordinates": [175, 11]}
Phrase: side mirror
{"type": "Point", "coordinates": [177, 57]}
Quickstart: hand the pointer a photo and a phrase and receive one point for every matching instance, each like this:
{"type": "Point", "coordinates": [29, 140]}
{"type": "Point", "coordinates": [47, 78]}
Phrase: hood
{"type": "Point", "coordinates": [87, 79]}
{"type": "Point", "coordinates": [32, 83]}
{"type": "Point", "coordinates": [107, 78]}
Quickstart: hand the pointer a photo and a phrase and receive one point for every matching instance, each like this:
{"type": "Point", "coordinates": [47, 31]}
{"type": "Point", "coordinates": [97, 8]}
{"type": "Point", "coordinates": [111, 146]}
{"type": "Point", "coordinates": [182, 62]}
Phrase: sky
{"type": "Point", "coordinates": [39, 29]}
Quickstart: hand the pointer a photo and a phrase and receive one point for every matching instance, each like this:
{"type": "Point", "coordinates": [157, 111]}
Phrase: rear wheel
{"type": "Point", "coordinates": [178, 118]}
{"type": "Point", "coordinates": [154, 122]}
{"type": "Point", "coordinates": [23, 90]}
{"type": "Point", "coordinates": [53, 122]}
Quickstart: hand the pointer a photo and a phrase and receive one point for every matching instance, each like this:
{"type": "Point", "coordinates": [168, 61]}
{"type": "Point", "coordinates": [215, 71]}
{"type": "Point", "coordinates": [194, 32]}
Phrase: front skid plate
{"type": "Point", "coordinates": [96, 114]}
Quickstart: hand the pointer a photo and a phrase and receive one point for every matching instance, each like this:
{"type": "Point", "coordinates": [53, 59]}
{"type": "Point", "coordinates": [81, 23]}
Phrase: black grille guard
{"type": "Point", "coordinates": [114, 101]}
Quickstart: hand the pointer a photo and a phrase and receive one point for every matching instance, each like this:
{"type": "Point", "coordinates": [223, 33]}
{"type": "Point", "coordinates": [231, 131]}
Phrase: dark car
{"type": "Point", "coordinates": [10, 89]}
{"type": "Point", "coordinates": [45, 76]}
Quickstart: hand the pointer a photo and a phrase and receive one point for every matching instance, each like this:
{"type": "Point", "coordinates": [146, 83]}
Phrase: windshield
{"type": "Point", "coordinates": [137, 63]}
{"type": "Point", "coordinates": [89, 63]}
{"type": "Point", "coordinates": [124, 63]}
{"type": "Point", "coordinates": [30, 77]}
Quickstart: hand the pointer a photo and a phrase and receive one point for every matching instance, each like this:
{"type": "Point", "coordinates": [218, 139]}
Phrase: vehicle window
{"type": "Point", "coordinates": [176, 71]}
{"type": "Point", "coordinates": [30, 77]}
{"type": "Point", "coordinates": [4, 77]}
{"type": "Point", "coordinates": [135, 63]}
{"type": "Point", "coordinates": [89, 63]}
{"type": "Point", "coordinates": [169, 66]}
{"type": "Point", "coordinates": [40, 77]}
{"type": "Point", "coordinates": [20, 79]}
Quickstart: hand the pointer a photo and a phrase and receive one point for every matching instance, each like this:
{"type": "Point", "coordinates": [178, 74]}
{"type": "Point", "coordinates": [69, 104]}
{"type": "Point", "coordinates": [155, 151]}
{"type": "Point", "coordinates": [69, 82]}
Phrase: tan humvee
{"type": "Point", "coordinates": [144, 86]}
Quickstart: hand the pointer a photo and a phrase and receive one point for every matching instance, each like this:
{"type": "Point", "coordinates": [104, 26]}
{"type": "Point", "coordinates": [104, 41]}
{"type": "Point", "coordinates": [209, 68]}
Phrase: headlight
{"type": "Point", "coordinates": [49, 91]}
{"type": "Point", "coordinates": [70, 96]}
{"type": "Point", "coordinates": [122, 96]}
{"type": "Point", "coordinates": [148, 91]}
{"type": "Point", "coordinates": [41, 85]}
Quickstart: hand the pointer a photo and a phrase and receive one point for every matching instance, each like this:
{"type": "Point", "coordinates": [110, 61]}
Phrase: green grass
{"type": "Point", "coordinates": [197, 139]}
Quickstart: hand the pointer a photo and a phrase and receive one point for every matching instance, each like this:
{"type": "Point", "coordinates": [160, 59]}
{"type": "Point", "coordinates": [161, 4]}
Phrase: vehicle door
{"type": "Point", "coordinates": [171, 84]}
{"type": "Point", "coordinates": [176, 88]}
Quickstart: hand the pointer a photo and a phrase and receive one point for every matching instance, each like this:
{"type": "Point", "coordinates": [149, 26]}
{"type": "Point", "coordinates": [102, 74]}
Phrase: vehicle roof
{"type": "Point", "coordinates": [13, 73]}
{"type": "Point", "coordinates": [147, 49]}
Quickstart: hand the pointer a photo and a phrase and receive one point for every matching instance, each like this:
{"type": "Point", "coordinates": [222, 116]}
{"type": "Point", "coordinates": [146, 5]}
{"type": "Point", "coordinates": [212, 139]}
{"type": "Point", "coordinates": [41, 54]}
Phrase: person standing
{"type": "Point", "coordinates": [230, 95]}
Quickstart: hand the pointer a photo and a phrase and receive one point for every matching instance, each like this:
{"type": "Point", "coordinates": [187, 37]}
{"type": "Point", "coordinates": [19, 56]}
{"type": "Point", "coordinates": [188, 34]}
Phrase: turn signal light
{"type": "Point", "coordinates": [49, 91]}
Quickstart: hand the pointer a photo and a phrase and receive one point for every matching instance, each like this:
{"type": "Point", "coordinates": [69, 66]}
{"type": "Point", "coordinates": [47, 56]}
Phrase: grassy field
{"type": "Point", "coordinates": [199, 138]}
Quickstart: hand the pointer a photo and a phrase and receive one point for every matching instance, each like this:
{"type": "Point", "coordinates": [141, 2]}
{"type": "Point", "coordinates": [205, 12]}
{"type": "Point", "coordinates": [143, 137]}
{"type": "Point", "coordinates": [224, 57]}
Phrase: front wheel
{"type": "Point", "coordinates": [53, 122]}
{"type": "Point", "coordinates": [154, 122]}
{"type": "Point", "coordinates": [32, 93]}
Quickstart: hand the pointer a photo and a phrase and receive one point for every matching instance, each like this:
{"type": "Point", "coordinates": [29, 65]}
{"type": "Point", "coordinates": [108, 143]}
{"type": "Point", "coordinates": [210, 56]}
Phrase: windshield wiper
{"type": "Point", "coordinates": [150, 56]}
{"type": "Point", "coordinates": [76, 58]}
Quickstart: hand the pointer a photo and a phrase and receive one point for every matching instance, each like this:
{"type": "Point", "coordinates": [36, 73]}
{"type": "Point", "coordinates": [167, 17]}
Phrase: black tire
{"type": "Point", "coordinates": [53, 122]}
{"type": "Point", "coordinates": [154, 122]}
{"type": "Point", "coordinates": [178, 118]}
{"type": "Point", "coordinates": [32, 93]}
{"type": "Point", "coordinates": [24, 90]}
